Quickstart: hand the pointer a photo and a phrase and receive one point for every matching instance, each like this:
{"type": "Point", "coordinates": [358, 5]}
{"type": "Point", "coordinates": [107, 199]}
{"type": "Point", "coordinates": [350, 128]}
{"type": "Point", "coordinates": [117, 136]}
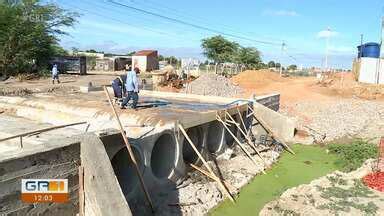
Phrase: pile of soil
{"type": "Point", "coordinates": [251, 78]}
{"type": "Point", "coordinates": [345, 85]}
{"type": "Point", "coordinates": [214, 85]}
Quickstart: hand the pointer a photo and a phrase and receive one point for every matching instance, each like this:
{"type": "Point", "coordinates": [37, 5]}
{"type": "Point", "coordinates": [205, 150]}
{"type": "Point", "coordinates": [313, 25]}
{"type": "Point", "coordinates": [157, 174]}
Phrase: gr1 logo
{"type": "Point", "coordinates": [44, 190]}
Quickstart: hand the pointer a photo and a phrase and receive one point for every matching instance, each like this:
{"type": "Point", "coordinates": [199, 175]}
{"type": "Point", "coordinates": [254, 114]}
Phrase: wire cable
{"type": "Point", "coordinates": [192, 24]}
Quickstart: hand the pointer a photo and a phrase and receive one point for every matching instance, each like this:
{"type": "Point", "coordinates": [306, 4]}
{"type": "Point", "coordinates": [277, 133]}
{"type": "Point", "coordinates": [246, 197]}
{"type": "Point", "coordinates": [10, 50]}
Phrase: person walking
{"type": "Point", "coordinates": [132, 88]}
{"type": "Point", "coordinates": [55, 74]}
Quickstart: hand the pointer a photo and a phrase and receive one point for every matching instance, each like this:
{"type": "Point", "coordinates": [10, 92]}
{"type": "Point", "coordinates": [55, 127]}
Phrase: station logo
{"type": "Point", "coordinates": [44, 190]}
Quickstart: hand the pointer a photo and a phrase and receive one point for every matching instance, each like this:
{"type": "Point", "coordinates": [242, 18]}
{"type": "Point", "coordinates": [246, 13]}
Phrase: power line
{"type": "Point", "coordinates": [123, 22]}
{"type": "Point", "coordinates": [162, 7]}
{"type": "Point", "coordinates": [191, 24]}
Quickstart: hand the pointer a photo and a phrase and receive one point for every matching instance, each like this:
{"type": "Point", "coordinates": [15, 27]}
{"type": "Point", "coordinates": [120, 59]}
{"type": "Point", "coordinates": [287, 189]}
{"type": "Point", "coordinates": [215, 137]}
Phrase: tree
{"type": "Point", "coordinates": [271, 64]}
{"type": "Point", "coordinates": [131, 53]}
{"type": "Point", "coordinates": [91, 51]}
{"type": "Point", "coordinates": [249, 56]}
{"type": "Point", "coordinates": [171, 60]}
{"type": "Point", "coordinates": [28, 34]}
{"type": "Point", "coordinates": [219, 49]}
{"type": "Point", "coordinates": [278, 65]}
{"type": "Point", "coordinates": [292, 67]}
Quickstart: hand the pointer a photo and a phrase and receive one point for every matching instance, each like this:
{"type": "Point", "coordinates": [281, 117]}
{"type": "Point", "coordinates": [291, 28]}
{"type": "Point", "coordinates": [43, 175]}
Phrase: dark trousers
{"type": "Point", "coordinates": [56, 76]}
{"type": "Point", "coordinates": [131, 95]}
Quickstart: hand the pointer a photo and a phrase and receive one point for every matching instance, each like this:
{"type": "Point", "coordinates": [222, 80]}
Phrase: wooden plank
{"type": "Point", "coordinates": [237, 140]}
{"type": "Point", "coordinates": [241, 119]}
{"type": "Point", "coordinates": [248, 140]}
{"type": "Point", "coordinates": [226, 191]}
{"type": "Point", "coordinates": [227, 184]}
{"type": "Point", "coordinates": [41, 130]}
{"type": "Point", "coordinates": [270, 131]}
{"type": "Point", "coordinates": [130, 151]}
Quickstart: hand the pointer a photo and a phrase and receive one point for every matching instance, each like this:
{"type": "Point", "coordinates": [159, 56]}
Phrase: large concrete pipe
{"type": "Point", "coordinates": [164, 156]}
{"type": "Point", "coordinates": [216, 137]}
{"type": "Point", "coordinates": [196, 134]}
{"type": "Point", "coordinates": [125, 171]}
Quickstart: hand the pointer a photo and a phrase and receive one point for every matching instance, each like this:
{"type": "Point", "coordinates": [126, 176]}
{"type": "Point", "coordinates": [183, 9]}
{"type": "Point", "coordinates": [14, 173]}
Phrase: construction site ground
{"type": "Point", "coordinates": [337, 108]}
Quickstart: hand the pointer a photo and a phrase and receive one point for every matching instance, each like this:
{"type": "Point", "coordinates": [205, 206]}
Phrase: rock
{"type": "Point", "coordinates": [213, 85]}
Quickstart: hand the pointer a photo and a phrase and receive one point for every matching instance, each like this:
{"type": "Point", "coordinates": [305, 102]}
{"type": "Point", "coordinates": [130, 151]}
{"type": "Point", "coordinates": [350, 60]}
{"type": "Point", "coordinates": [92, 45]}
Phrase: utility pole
{"type": "Point", "coordinates": [382, 38]}
{"type": "Point", "coordinates": [326, 49]}
{"type": "Point", "coordinates": [379, 74]}
{"type": "Point", "coordinates": [361, 39]}
{"type": "Point", "coordinates": [281, 57]}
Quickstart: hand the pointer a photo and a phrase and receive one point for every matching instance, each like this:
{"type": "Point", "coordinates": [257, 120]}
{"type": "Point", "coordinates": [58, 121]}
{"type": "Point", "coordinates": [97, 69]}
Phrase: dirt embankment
{"type": "Point", "coordinates": [295, 89]}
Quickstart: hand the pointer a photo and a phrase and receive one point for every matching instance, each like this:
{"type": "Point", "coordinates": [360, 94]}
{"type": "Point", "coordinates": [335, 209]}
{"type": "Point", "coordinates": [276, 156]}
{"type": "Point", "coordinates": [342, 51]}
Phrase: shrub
{"type": "Point", "coordinates": [352, 155]}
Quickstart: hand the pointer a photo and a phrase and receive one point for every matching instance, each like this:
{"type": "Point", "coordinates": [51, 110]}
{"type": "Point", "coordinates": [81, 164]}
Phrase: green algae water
{"type": "Point", "coordinates": [309, 163]}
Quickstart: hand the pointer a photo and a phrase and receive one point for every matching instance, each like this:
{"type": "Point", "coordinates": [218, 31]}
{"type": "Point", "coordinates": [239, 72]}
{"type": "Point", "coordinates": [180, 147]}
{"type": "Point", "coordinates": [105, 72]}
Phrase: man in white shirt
{"type": "Point", "coordinates": [132, 88]}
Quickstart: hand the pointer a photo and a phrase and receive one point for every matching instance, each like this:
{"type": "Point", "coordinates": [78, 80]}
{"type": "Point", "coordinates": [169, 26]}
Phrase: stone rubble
{"type": "Point", "coordinates": [198, 194]}
{"type": "Point", "coordinates": [213, 85]}
{"type": "Point", "coordinates": [345, 118]}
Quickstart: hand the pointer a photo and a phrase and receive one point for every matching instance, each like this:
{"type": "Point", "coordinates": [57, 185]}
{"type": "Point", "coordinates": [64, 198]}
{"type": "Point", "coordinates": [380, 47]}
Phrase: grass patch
{"type": "Point", "coordinates": [340, 198]}
{"type": "Point", "coordinates": [352, 155]}
{"type": "Point", "coordinates": [358, 190]}
{"type": "Point", "coordinates": [310, 162]}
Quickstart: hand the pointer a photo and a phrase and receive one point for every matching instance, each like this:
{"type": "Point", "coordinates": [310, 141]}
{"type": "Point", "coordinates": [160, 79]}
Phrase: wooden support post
{"type": "Point", "coordinates": [238, 141]}
{"type": "Point", "coordinates": [241, 118]}
{"type": "Point", "coordinates": [21, 141]}
{"type": "Point", "coordinates": [226, 191]}
{"type": "Point", "coordinates": [250, 114]}
{"type": "Point", "coordinates": [81, 192]}
{"type": "Point", "coordinates": [227, 184]}
{"type": "Point", "coordinates": [231, 122]}
{"type": "Point", "coordinates": [128, 145]}
{"type": "Point", "coordinates": [243, 123]}
{"type": "Point", "coordinates": [270, 132]}
{"type": "Point", "coordinates": [248, 140]}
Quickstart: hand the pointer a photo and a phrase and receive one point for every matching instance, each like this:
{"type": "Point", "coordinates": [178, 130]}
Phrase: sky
{"type": "Point", "coordinates": [300, 24]}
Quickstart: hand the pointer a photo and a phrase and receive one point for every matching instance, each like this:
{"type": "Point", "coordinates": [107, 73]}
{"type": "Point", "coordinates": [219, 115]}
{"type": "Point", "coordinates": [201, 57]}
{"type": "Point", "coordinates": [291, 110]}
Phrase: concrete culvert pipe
{"type": "Point", "coordinates": [125, 170]}
{"type": "Point", "coordinates": [215, 137]}
{"type": "Point", "coordinates": [196, 135]}
{"type": "Point", "coordinates": [163, 156]}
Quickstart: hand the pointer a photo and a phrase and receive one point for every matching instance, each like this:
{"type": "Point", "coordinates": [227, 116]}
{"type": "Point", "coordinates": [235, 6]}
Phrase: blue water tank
{"type": "Point", "coordinates": [371, 50]}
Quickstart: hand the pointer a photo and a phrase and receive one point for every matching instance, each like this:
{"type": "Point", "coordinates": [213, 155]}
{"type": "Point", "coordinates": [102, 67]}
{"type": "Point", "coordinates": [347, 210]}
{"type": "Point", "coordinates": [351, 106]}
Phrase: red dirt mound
{"type": "Point", "coordinates": [375, 181]}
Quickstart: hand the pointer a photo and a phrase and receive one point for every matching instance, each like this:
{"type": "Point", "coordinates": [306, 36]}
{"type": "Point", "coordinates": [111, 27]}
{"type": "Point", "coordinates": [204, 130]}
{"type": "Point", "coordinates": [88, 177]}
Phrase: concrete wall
{"type": "Point", "coordinates": [103, 195]}
{"type": "Point", "coordinates": [140, 62]}
{"type": "Point", "coordinates": [152, 63]}
{"type": "Point", "coordinates": [283, 126]}
{"type": "Point", "coordinates": [48, 162]}
{"type": "Point", "coordinates": [371, 70]}
{"type": "Point", "coordinates": [271, 101]}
